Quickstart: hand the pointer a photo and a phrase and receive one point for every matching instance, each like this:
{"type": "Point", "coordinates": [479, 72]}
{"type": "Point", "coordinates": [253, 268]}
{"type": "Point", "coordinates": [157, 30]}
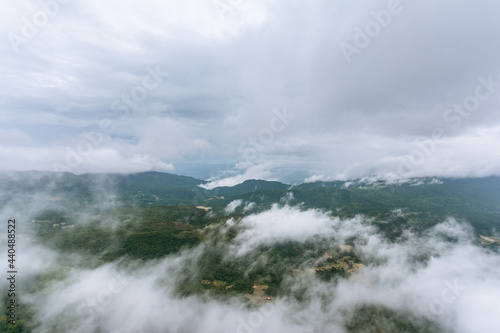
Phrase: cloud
{"type": "Point", "coordinates": [257, 171]}
{"type": "Point", "coordinates": [280, 224]}
{"type": "Point", "coordinates": [249, 206]}
{"type": "Point", "coordinates": [230, 66]}
{"type": "Point", "coordinates": [316, 178]}
{"type": "Point", "coordinates": [158, 136]}
{"type": "Point", "coordinates": [438, 278]}
{"type": "Point", "coordinates": [231, 207]}
{"type": "Point", "coordinates": [15, 137]}
{"type": "Point", "coordinates": [66, 158]}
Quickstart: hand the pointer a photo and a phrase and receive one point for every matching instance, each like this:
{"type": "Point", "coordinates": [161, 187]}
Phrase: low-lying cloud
{"type": "Point", "coordinates": [439, 278]}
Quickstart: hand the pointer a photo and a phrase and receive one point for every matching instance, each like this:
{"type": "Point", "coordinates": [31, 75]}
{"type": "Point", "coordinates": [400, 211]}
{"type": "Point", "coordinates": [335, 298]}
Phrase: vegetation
{"type": "Point", "coordinates": [157, 216]}
{"type": "Point", "coordinates": [370, 318]}
{"type": "Point", "coordinates": [138, 233]}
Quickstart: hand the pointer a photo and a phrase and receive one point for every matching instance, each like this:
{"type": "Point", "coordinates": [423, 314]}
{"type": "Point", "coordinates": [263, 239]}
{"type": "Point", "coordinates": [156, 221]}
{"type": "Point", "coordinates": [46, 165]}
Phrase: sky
{"type": "Point", "coordinates": [229, 90]}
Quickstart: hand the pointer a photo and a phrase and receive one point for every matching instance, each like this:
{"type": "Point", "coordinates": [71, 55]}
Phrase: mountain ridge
{"type": "Point", "coordinates": [424, 199]}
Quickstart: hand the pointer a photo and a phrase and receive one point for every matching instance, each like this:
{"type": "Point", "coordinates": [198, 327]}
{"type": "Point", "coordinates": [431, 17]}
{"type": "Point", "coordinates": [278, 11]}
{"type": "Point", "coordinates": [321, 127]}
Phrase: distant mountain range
{"type": "Point", "coordinates": [421, 201]}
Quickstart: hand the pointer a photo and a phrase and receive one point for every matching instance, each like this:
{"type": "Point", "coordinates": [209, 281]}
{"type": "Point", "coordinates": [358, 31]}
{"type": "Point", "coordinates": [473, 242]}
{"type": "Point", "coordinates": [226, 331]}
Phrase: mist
{"type": "Point", "coordinates": [438, 280]}
{"type": "Point", "coordinates": [250, 166]}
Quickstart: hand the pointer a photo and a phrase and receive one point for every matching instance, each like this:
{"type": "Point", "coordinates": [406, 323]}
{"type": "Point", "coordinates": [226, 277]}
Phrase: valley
{"type": "Point", "coordinates": [233, 244]}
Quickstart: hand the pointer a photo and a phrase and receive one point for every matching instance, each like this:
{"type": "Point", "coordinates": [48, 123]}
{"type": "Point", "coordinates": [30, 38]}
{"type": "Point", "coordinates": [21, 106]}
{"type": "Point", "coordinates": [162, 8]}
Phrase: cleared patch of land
{"type": "Point", "coordinates": [259, 296]}
{"type": "Point", "coordinates": [488, 239]}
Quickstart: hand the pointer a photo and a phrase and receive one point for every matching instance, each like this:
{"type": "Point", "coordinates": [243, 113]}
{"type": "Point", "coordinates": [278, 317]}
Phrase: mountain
{"type": "Point", "coordinates": [165, 231]}
{"type": "Point", "coordinates": [423, 201]}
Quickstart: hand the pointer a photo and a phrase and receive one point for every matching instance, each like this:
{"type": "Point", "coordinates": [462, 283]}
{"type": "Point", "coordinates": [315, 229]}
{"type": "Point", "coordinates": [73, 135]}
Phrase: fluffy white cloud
{"type": "Point", "coordinates": [257, 171]}
{"type": "Point", "coordinates": [280, 224]}
{"type": "Point", "coordinates": [453, 284]}
{"type": "Point", "coordinates": [231, 207]}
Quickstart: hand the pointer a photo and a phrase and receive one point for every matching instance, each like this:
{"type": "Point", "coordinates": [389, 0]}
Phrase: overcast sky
{"type": "Point", "coordinates": [241, 89]}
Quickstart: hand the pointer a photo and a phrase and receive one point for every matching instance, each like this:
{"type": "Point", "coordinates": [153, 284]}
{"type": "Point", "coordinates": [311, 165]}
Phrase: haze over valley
{"type": "Point", "coordinates": [248, 166]}
{"type": "Point", "coordinates": [155, 252]}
